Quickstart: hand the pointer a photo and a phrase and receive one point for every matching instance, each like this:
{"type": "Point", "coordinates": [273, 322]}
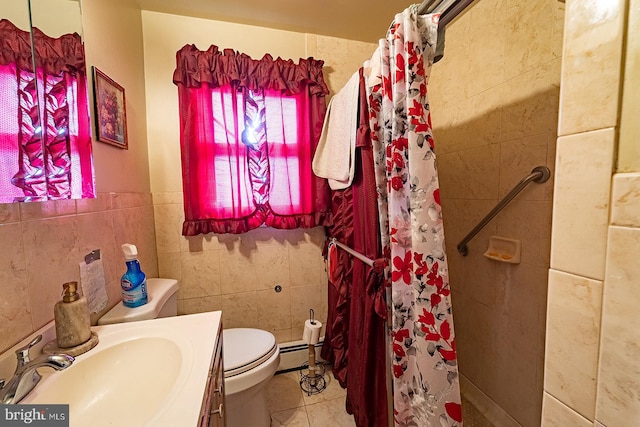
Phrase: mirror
{"type": "Point", "coordinates": [17, 87]}
{"type": "Point", "coordinates": [46, 147]}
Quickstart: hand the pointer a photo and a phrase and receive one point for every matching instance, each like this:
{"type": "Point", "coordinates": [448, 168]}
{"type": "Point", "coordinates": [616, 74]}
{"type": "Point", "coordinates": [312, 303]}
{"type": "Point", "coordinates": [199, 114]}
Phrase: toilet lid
{"type": "Point", "coordinates": [245, 348]}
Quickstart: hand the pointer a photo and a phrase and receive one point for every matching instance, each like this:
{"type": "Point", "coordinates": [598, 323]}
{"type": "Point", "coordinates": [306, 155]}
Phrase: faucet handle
{"type": "Point", "coordinates": [23, 352]}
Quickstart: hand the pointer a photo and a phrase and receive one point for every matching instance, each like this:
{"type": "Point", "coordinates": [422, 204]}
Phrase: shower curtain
{"type": "Point", "coordinates": [423, 353]}
{"type": "Point", "coordinates": [354, 337]}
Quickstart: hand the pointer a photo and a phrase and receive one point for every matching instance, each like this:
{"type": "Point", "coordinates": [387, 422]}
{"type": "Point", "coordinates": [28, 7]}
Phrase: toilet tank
{"type": "Point", "coordinates": [163, 302]}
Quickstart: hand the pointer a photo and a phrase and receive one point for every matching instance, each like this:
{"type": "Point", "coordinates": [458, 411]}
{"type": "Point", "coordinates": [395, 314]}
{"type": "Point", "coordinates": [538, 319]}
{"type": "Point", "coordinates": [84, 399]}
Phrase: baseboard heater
{"type": "Point", "coordinates": [294, 354]}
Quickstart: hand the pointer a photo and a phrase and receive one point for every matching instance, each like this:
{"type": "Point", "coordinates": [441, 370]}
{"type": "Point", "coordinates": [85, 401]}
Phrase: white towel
{"type": "Point", "coordinates": [335, 156]}
{"type": "Point", "coordinates": [373, 69]}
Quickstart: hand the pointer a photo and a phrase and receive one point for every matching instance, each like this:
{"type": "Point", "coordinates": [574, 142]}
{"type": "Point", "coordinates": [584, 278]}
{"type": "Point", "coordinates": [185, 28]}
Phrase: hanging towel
{"type": "Point", "coordinates": [335, 156]}
{"type": "Point", "coordinates": [373, 69]}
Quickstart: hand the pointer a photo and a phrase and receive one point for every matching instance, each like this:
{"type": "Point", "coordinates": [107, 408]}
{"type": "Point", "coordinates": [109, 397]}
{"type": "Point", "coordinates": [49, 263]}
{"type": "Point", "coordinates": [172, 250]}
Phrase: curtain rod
{"type": "Point", "coordinates": [449, 9]}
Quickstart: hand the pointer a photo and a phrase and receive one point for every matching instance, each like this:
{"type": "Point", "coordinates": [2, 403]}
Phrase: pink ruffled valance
{"type": "Point", "coordinates": [228, 67]}
{"type": "Point", "coordinates": [262, 215]}
{"type": "Point", "coordinates": [15, 46]}
{"type": "Point", "coordinates": [53, 55]}
{"type": "Point", "coordinates": [62, 54]}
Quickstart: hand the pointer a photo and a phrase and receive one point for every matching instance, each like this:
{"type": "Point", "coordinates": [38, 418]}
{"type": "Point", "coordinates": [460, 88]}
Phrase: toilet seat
{"type": "Point", "coordinates": [245, 348]}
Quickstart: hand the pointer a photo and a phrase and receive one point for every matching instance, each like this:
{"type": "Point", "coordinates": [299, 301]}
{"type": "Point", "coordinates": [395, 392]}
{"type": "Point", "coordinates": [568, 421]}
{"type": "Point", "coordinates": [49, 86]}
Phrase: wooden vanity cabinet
{"type": "Point", "coordinates": [213, 413]}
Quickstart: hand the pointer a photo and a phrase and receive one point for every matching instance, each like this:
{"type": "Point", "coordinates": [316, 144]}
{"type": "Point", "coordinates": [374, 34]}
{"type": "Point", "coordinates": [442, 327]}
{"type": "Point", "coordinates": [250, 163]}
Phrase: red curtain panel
{"type": "Point", "coordinates": [248, 131]}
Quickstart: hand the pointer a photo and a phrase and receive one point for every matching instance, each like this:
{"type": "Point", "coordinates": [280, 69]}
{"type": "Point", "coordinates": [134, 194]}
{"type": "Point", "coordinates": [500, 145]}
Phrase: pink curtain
{"type": "Point", "coordinates": [67, 138]}
{"type": "Point", "coordinates": [248, 131]}
{"type": "Point", "coordinates": [423, 354]}
{"type": "Point", "coordinates": [53, 157]}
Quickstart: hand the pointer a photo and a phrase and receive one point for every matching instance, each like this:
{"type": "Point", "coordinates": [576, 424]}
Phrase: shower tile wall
{"type": "Point", "coordinates": [494, 100]}
{"type": "Point", "coordinates": [592, 363]}
{"type": "Point", "coordinates": [41, 245]}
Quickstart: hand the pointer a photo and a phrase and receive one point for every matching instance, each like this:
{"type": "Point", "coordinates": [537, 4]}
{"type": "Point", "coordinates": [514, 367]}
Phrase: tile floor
{"type": "Point", "coordinates": [472, 417]}
{"type": "Point", "coordinates": [291, 407]}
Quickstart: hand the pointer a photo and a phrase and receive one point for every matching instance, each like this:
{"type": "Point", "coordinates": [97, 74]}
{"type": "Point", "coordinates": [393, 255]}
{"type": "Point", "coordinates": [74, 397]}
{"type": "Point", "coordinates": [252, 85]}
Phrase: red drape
{"type": "Point", "coordinates": [356, 327]}
{"type": "Point", "coordinates": [52, 157]}
{"type": "Point", "coordinates": [336, 337]}
{"type": "Point", "coordinates": [248, 131]}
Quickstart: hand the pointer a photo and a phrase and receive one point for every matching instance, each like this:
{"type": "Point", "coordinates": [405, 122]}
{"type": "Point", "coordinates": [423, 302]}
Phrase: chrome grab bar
{"type": "Point", "coordinates": [539, 175]}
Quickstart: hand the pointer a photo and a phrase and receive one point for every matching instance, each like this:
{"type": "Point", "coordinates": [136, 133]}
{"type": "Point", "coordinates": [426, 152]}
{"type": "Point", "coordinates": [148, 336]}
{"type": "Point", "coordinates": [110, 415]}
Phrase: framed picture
{"type": "Point", "coordinates": [110, 114]}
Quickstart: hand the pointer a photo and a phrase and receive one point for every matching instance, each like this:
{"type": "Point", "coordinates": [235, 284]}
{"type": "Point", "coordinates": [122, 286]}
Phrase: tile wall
{"type": "Point", "coordinates": [592, 361]}
{"type": "Point", "coordinates": [42, 244]}
{"type": "Point", "coordinates": [238, 273]}
{"type": "Point", "coordinates": [494, 100]}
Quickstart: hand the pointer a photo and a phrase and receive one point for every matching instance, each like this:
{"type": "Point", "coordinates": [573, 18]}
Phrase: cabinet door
{"type": "Point", "coordinates": [217, 412]}
{"type": "Point", "coordinates": [213, 408]}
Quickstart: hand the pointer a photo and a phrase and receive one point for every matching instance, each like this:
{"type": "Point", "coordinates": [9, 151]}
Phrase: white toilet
{"type": "Point", "coordinates": [163, 302]}
{"type": "Point", "coordinates": [250, 358]}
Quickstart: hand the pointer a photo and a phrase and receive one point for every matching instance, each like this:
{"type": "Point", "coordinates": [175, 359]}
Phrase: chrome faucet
{"type": "Point", "coordinates": [26, 375]}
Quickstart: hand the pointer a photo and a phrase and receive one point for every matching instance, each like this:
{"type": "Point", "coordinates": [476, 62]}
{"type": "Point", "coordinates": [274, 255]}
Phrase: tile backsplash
{"type": "Point", "coordinates": [42, 244]}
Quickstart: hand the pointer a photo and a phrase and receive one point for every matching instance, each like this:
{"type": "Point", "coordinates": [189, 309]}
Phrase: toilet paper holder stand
{"type": "Point", "coordinates": [313, 380]}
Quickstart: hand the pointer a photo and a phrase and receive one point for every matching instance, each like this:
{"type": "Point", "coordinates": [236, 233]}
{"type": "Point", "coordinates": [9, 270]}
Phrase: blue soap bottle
{"type": "Point", "coordinates": [134, 282]}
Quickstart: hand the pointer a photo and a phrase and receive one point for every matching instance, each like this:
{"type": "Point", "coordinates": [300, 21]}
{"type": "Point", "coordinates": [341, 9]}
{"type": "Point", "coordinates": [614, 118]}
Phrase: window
{"type": "Point", "coordinates": [45, 136]}
{"type": "Point", "coordinates": [247, 139]}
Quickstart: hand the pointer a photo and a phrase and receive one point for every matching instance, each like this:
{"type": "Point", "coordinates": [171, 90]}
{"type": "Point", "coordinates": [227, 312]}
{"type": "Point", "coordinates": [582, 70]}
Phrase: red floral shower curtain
{"type": "Point", "coordinates": [423, 354]}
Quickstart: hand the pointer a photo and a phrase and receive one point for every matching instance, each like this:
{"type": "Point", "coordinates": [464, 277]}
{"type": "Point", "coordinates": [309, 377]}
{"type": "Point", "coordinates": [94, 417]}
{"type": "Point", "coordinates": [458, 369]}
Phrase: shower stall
{"type": "Point", "coordinates": [494, 101]}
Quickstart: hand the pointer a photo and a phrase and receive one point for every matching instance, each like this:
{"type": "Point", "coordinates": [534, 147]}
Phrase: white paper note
{"type": "Point", "coordinates": [93, 284]}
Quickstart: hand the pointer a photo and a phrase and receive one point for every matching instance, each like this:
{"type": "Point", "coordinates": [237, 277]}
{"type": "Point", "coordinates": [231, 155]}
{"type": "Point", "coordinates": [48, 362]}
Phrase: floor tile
{"type": "Point", "coordinates": [291, 407]}
{"type": "Point", "coordinates": [472, 417]}
{"type": "Point", "coordinates": [330, 413]}
{"type": "Point", "coordinates": [290, 418]}
{"type": "Point", "coordinates": [284, 392]}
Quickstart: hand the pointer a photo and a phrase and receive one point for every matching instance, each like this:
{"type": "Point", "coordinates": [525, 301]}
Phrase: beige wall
{"type": "Point", "coordinates": [41, 244]}
{"type": "Point", "coordinates": [494, 100]}
{"type": "Point", "coordinates": [56, 17]}
{"type": "Point", "coordinates": [235, 273]}
{"type": "Point", "coordinates": [592, 363]}
{"type": "Point", "coordinates": [113, 37]}
{"type": "Point", "coordinates": [16, 12]}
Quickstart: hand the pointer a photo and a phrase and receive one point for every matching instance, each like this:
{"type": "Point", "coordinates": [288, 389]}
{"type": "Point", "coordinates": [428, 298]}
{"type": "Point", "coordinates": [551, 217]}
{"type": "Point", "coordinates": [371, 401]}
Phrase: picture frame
{"type": "Point", "coordinates": [109, 110]}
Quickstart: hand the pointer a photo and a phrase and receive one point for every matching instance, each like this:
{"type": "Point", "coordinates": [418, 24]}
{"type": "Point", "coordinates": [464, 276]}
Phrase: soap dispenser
{"type": "Point", "coordinates": [73, 325]}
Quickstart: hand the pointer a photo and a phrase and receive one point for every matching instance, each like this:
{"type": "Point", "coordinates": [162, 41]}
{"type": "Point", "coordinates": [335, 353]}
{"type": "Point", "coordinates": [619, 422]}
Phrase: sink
{"type": "Point", "coordinates": [146, 373]}
{"type": "Point", "coordinates": [111, 387]}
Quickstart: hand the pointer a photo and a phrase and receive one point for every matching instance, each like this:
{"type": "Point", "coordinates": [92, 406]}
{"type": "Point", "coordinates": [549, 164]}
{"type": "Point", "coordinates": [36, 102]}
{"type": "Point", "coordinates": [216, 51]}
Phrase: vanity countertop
{"type": "Point", "coordinates": [146, 373]}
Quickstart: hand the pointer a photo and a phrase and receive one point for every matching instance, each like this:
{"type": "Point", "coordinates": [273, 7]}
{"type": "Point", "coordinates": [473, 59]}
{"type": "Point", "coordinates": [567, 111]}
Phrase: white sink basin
{"type": "Point", "coordinates": [116, 377]}
{"type": "Point", "coordinates": [147, 373]}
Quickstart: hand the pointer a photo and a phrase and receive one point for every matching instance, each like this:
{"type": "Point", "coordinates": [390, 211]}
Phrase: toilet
{"type": "Point", "coordinates": [250, 358]}
{"type": "Point", "coordinates": [163, 302]}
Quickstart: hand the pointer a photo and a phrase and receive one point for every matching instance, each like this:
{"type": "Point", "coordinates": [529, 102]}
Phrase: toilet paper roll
{"type": "Point", "coordinates": [311, 334]}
